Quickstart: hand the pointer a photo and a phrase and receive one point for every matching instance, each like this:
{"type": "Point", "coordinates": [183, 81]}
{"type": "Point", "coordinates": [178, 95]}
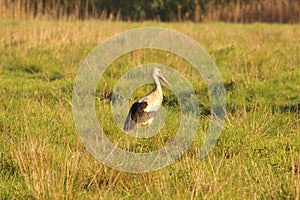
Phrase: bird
{"type": "Point", "coordinates": [143, 111]}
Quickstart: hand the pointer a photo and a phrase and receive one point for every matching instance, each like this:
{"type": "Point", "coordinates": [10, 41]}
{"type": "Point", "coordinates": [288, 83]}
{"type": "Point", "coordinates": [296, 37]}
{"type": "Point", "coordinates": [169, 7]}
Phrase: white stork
{"type": "Point", "coordinates": [142, 112]}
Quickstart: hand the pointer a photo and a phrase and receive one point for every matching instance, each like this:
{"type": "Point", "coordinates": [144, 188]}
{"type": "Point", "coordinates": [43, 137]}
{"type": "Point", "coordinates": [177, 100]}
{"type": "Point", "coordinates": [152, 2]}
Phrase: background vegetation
{"type": "Point", "coordinates": [256, 157]}
{"type": "Point", "coordinates": [280, 11]}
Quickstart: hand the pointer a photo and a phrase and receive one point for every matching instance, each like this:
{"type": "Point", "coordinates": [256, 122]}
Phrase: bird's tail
{"type": "Point", "coordinates": [129, 124]}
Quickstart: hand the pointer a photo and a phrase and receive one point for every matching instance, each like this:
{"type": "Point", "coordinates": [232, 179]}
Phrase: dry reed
{"type": "Point", "coordinates": [275, 11]}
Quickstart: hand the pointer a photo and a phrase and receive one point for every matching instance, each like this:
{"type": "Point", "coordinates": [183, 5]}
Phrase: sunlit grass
{"type": "Point", "coordinates": [257, 155]}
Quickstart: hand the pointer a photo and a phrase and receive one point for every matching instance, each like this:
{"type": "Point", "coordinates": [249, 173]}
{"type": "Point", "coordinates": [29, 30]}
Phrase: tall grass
{"type": "Point", "coordinates": [256, 157]}
{"type": "Point", "coordinates": [277, 11]}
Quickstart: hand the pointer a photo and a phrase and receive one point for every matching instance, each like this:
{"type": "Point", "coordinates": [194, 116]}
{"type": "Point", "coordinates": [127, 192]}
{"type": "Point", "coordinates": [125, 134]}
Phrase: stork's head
{"type": "Point", "coordinates": [157, 73]}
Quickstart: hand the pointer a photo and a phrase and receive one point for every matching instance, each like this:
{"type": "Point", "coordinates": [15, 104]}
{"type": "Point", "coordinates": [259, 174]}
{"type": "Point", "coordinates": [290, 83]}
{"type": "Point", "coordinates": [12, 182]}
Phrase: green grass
{"type": "Point", "coordinates": [256, 157]}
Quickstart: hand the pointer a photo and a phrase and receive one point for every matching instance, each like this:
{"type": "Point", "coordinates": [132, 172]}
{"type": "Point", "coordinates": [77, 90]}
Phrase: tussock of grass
{"type": "Point", "coordinates": [257, 155]}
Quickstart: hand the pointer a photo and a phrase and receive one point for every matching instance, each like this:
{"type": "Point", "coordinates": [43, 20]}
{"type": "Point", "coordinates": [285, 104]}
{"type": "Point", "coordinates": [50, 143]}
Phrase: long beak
{"type": "Point", "coordinates": [166, 82]}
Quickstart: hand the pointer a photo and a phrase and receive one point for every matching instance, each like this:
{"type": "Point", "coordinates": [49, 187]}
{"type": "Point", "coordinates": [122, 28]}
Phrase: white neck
{"type": "Point", "coordinates": [157, 85]}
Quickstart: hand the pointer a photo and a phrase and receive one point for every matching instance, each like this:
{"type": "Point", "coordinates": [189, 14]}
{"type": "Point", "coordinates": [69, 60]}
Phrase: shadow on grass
{"type": "Point", "coordinates": [288, 108]}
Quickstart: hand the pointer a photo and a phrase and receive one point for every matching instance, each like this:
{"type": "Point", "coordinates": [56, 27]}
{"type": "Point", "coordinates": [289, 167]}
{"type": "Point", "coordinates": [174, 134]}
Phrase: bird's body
{"type": "Point", "coordinates": [143, 111]}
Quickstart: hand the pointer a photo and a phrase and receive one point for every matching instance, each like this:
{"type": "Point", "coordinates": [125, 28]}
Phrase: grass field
{"type": "Point", "coordinates": [256, 157]}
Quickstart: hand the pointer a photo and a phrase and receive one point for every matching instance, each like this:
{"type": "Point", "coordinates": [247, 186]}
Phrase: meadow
{"type": "Point", "coordinates": [256, 157]}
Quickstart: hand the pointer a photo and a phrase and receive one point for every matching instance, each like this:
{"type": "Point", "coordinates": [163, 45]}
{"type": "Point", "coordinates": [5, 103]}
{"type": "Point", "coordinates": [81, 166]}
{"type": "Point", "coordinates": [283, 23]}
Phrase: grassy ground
{"type": "Point", "coordinates": [256, 157]}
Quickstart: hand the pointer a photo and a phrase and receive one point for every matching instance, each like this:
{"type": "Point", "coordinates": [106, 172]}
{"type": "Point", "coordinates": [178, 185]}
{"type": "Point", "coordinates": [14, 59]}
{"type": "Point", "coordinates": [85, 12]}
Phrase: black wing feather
{"type": "Point", "coordinates": [136, 115]}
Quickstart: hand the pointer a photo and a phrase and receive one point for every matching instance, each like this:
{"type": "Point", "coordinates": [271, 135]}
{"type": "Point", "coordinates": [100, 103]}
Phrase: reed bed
{"type": "Point", "coordinates": [273, 11]}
